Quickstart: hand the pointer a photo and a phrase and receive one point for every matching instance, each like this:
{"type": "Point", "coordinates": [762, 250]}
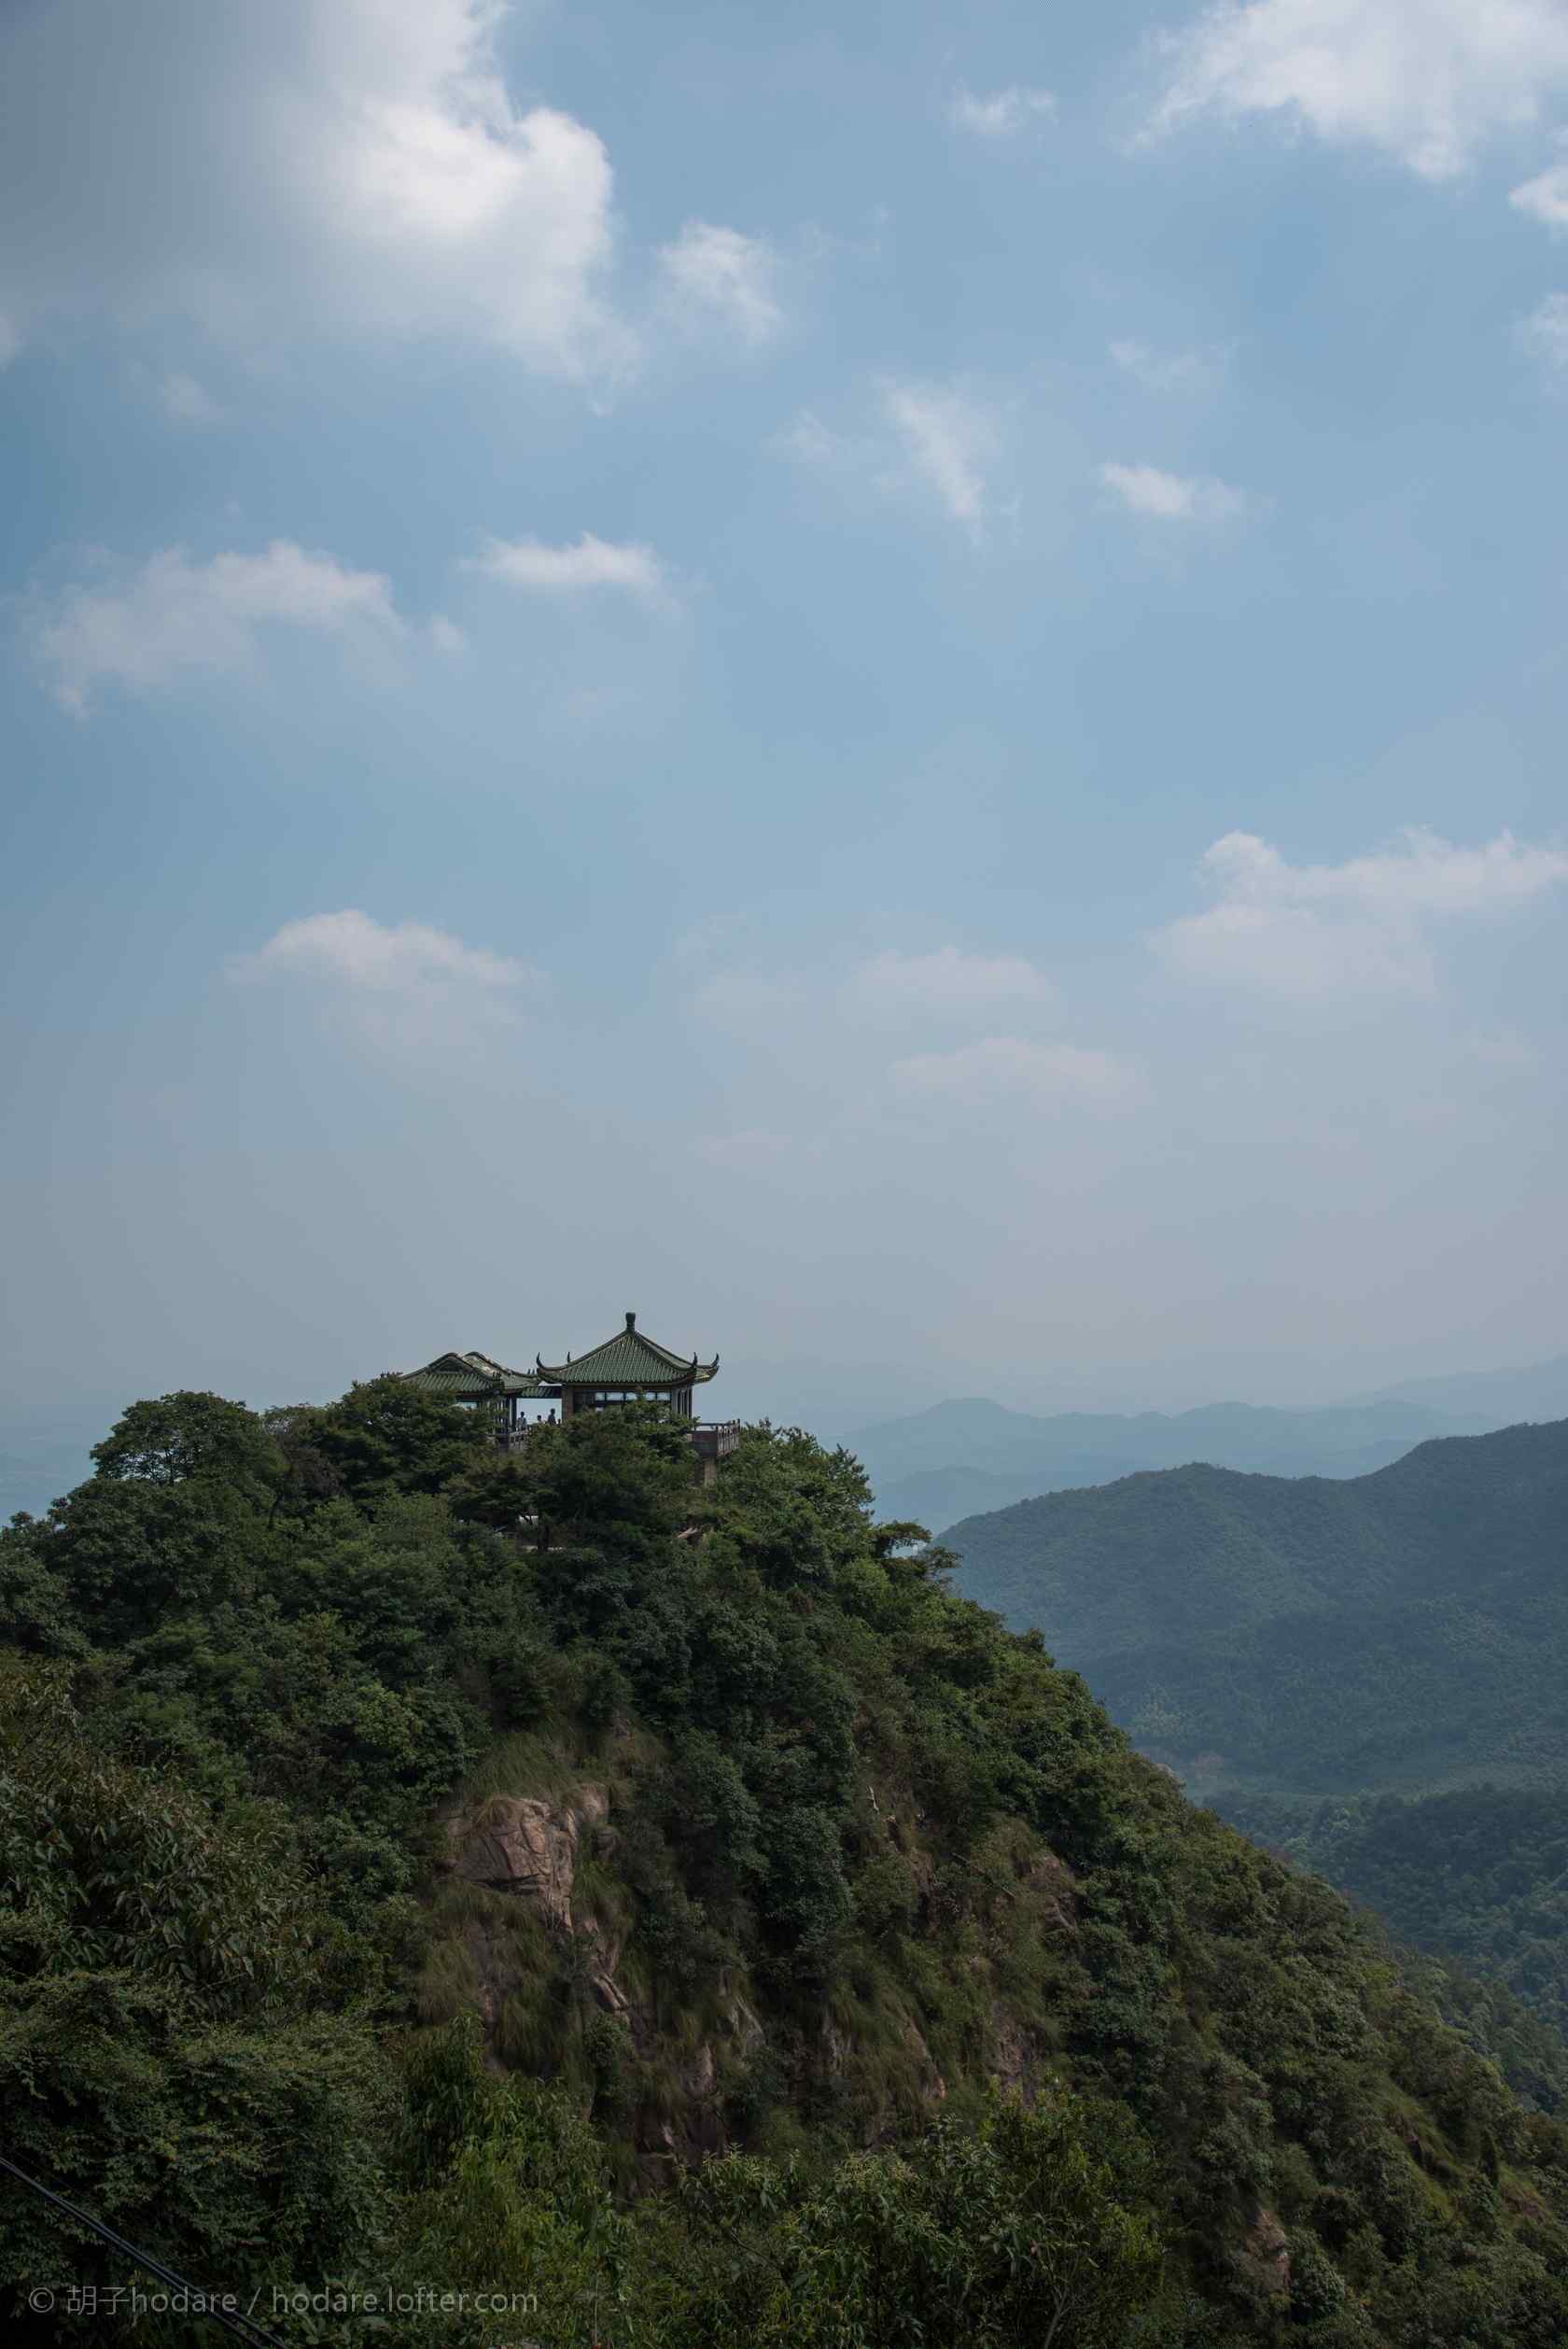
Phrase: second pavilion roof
{"type": "Point", "coordinates": [471, 1377]}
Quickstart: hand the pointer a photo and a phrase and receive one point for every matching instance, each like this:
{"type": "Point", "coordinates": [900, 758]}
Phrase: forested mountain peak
{"type": "Point", "coordinates": [530, 1871]}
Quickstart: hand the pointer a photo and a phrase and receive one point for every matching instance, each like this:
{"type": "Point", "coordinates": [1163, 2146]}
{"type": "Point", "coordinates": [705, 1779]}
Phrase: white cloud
{"type": "Point", "coordinates": [948, 438]}
{"type": "Point", "coordinates": [1298, 954]}
{"type": "Point", "coordinates": [1173, 496]}
{"type": "Point", "coordinates": [404, 988]}
{"type": "Point", "coordinates": [725, 275]}
{"type": "Point", "coordinates": [1013, 1070]}
{"type": "Point", "coordinates": [1310, 933]}
{"type": "Point", "coordinates": [845, 1044]}
{"type": "Point", "coordinates": [302, 166]}
{"type": "Point", "coordinates": [1168, 371]}
{"type": "Point", "coordinates": [1545, 198]}
{"type": "Point", "coordinates": [1543, 335]}
{"type": "Point", "coordinates": [1003, 113]}
{"type": "Point", "coordinates": [177, 615]}
{"type": "Point", "coordinates": [807, 438]}
{"type": "Point", "coordinates": [1424, 80]}
{"type": "Point", "coordinates": [1425, 874]}
{"type": "Point", "coordinates": [183, 399]}
{"type": "Point", "coordinates": [946, 982]}
{"type": "Point", "coordinates": [353, 951]}
{"type": "Point", "coordinates": [930, 441]}
{"type": "Point", "coordinates": [570, 570]}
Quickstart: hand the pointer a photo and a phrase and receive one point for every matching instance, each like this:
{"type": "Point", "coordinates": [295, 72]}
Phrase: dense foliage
{"type": "Point", "coordinates": [896, 1998]}
{"type": "Point", "coordinates": [1479, 1874]}
{"type": "Point", "coordinates": [1366, 1674]}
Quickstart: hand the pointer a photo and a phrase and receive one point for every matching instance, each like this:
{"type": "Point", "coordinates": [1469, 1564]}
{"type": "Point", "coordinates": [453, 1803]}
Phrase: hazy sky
{"type": "Point", "coordinates": [887, 681]}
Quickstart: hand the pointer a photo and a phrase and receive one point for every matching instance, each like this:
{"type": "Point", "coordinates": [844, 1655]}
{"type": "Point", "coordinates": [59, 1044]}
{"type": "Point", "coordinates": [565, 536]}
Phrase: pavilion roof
{"type": "Point", "coordinates": [629, 1359]}
{"type": "Point", "coordinates": [470, 1377]}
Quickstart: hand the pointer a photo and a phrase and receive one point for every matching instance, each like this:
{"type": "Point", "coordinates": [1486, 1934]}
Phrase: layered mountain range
{"type": "Point", "coordinates": [959, 1458]}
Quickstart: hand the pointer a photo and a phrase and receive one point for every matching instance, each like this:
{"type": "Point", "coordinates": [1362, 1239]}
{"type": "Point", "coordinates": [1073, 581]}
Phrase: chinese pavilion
{"type": "Point", "coordinates": [476, 1378]}
{"type": "Point", "coordinates": [629, 1367]}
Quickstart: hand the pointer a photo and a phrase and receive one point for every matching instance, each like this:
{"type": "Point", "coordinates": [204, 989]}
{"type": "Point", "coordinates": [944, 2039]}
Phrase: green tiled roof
{"type": "Point", "coordinates": [471, 1377]}
{"type": "Point", "coordinates": [629, 1359]}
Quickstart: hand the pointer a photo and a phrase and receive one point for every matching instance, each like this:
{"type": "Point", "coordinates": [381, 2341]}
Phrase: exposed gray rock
{"type": "Point", "coordinates": [1264, 2255]}
{"type": "Point", "coordinates": [517, 1843]}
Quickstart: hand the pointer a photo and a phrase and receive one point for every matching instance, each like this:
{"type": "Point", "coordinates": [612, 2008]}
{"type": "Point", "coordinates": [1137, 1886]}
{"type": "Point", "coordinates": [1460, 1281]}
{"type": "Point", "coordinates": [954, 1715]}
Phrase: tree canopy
{"type": "Point", "coordinates": [858, 1977]}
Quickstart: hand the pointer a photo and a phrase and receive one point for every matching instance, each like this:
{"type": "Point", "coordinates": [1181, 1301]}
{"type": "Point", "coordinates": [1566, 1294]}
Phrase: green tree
{"type": "Point", "coordinates": [388, 1436]}
{"type": "Point", "coordinates": [1017, 2233]}
{"type": "Point", "coordinates": [179, 2049]}
{"type": "Point", "coordinates": [190, 1434]}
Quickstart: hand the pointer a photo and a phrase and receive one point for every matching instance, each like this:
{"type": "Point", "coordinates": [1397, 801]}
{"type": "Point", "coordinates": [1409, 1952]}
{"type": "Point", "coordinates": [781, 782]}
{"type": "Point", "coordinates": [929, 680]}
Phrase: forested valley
{"type": "Point", "coordinates": [1364, 1674]}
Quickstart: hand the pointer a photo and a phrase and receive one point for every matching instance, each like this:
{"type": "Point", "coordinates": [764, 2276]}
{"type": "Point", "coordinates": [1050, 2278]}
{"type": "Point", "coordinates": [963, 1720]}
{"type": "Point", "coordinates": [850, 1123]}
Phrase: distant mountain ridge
{"type": "Point", "coordinates": [962, 1458]}
{"type": "Point", "coordinates": [1501, 1398]}
{"type": "Point", "coordinates": [1406, 1628]}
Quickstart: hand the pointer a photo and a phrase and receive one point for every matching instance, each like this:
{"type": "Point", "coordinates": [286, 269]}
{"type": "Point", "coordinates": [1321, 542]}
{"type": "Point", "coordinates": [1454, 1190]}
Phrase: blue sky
{"type": "Point", "coordinates": [889, 684]}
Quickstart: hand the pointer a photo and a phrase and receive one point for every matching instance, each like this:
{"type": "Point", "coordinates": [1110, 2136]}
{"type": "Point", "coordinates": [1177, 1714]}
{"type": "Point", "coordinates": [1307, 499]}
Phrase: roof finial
{"type": "Point", "coordinates": [631, 1321]}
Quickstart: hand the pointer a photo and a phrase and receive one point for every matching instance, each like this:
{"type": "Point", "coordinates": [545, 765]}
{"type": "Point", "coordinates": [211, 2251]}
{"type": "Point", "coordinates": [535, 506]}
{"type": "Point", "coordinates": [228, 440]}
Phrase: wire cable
{"type": "Point", "coordinates": [242, 2327]}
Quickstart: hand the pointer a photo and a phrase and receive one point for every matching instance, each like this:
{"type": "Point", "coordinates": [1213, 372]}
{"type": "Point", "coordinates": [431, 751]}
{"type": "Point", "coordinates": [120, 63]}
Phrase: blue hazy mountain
{"type": "Point", "coordinates": [1402, 1630]}
{"type": "Point", "coordinates": [1500, 1399]}
{"type": "Point", "coordinates": [961, 1459]}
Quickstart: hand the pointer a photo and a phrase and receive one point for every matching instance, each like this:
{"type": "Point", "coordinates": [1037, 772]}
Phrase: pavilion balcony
{"type": "Point", "coordinates": [712, 1439]}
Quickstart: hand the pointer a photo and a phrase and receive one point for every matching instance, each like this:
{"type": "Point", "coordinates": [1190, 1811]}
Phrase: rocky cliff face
{"type": "Point", "coordinates": [527, 1857]}
{"type": "Point", "coordinates": [524, 1854]}
{"type": "Point", "coordinates": [527, 1850]}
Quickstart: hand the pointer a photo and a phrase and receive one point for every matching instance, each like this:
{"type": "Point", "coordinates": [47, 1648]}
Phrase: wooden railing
{"type": "Point", "coordinates": [715, 1438]}
{"type": "Point", "coordinates": [710, 1438]}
